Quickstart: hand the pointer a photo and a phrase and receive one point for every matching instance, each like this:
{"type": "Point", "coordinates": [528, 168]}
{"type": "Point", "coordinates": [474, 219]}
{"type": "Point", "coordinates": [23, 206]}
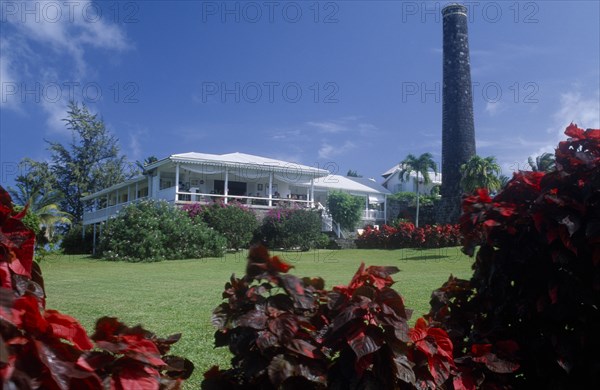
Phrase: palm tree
{"type": "Point", "coordinates": [480, 172]}
{"type": "Point", "coordinates": [420, 166]}
{"type": "Point", "coordinates": [141, 165]}
{"type": "Point", "coordinates": [43, 204]}
{"type": "Point", "coordinates": [503, 180]}
{"type": "Point", "coordinates": [543, 163]}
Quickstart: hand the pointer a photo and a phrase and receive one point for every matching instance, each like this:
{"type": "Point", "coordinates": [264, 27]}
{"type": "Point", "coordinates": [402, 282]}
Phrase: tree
{"type": "Point", "coordinates": [345, 209]}
{"type": "Point", "coordinates": [141, 165]}
{"type": "Point", "coordinates": [35, 187]}
{"type": "Point", "coordinates": [35, 178]}
{"type": "Point", "coordinates": [480, 172]}
{"type": "Point", "coordinates": [89, 163]}
{"type": "Point", "coordinates": [352, 173]}
{"type": "Point", "coordinates": [45, 206]}
{"type": "Point", "coordinates": [421, 166]}
{"type": "Point", "coordinates": [503, 180]}
{"type": "Point", "coordinates": [543, 163]}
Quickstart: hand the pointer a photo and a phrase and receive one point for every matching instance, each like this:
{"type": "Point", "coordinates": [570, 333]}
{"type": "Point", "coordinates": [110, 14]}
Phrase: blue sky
{"type": "Point", "coordinates": [338, 85]}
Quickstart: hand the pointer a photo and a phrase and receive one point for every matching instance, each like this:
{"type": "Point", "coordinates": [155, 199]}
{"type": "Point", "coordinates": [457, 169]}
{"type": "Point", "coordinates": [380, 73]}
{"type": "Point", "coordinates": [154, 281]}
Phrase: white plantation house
{"type": "Point", "coordinates": [394, 183]}
{"type": "Point", "coordinates": [259, 182]}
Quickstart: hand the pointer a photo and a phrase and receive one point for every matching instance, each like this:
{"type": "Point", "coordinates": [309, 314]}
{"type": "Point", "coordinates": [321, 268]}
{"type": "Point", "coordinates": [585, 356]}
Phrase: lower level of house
{"type": "Point", "coordinates": [186, 179]}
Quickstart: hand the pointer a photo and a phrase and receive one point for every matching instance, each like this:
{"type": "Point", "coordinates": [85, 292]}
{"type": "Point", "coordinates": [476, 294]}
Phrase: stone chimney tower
{"type": "Point", "coordinates": [458, 131]}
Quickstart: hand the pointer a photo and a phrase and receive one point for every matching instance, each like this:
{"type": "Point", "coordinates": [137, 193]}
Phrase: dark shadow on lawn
{"type": "Point", "coordinates": [426, 257]}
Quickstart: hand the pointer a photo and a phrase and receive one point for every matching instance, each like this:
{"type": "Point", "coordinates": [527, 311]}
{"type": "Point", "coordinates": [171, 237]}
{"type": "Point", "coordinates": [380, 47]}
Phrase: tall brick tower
{"type": "Point", "coordinates": [458, 131]}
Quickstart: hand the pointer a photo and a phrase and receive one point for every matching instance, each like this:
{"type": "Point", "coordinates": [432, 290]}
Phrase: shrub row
{"type": "Point", "coordinates": [155, 230]}
{"type": "Point", "coordinates": [77, 242]}
{"type": "Point", "coordinates": [235, 221]}
{"type": "Point", "coordinates": [292, 228]}
{"type": "Point", "coordinates": [407, 235]}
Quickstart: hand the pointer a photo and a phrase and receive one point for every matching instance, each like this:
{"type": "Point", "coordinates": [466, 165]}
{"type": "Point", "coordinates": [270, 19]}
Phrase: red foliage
{"type": "Point", "coordinates": [292, 333]}
{"type": "Point", "coordinates": [406, 235]}
{"type": "Point", "coordinates": [43, 348]}
{"type": "Point", "coordinates": [435, 346]}
{"type": "Point", "coordinates": [531, 308]}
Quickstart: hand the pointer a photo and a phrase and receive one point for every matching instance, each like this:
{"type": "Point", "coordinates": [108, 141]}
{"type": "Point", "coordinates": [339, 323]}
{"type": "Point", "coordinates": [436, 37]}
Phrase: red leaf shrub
{"type": "Point", "coordinates": [43, 348]}
{"type": "Point", "coordinates": [532, 305]}
{"type": "Point", "coordinates": [287, 332]}
{"type": "Point", "coordinates": [406, 235]}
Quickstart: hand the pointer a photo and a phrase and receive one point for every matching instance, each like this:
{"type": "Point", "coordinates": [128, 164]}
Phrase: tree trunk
{"type": "Point", "coordinates": [417, 217]}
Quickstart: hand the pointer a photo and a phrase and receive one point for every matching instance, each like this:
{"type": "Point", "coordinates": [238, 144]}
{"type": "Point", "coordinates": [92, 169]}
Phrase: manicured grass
{"type": "Point", "coordinates": [179, 296]}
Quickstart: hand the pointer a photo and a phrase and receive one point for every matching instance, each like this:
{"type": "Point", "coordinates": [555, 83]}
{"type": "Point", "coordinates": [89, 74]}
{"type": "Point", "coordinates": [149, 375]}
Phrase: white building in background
{"type": "Point", "coordinates": [394, 183]}
{"type": "Point", "coordinates": [259, 182]}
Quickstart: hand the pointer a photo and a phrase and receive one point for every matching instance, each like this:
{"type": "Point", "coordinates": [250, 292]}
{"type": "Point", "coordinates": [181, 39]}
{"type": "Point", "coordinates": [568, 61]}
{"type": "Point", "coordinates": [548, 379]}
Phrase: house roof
{"type": "Point", "coordinates": [391, 170]}
{"type": "Point", "coordinates": [229, 160]}
{"type": "Point", "coordinates": [370, 183]}
{"type": "Point", "coordinates": [436, 178]}
{"type": "Point", "coordinates": [236, 159]}
{"type": "Point", "coordinates": [350, 184]}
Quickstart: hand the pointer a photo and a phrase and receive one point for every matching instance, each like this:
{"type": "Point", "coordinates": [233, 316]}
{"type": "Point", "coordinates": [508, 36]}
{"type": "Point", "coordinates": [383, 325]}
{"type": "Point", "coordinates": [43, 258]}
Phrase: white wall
{"type": "Point", "coordinates": [394, 184]}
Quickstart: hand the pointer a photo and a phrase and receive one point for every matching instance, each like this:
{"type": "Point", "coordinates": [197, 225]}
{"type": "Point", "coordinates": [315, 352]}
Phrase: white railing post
{"type": "Point", "coordinates": [270, 189]}
{"type": "Point", "coordinates": [226, 185]}
{"type": "Point", "coordinates": [176, 182]}
{"type": "Point", "coordinates": [312, 192]}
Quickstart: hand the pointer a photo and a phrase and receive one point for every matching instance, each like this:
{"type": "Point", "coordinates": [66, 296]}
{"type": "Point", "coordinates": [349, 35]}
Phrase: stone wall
{"type": "Point", "coordinates": [448, 210]}
{"type": "Point", "coordinates": [402, 209]}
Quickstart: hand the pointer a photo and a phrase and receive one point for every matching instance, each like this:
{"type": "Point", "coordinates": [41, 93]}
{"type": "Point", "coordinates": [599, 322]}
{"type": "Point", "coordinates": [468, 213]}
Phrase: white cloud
{"type": "Point", "coordinates": [493, 108]}
{"type": "Point", "coordinates": [345, 124]}
{"type": "Point", "coordinates": [7, 77]}
{"type": "Point", "coordinates": [485, 144]}
{"type": "Point", "coordinates": [367, 128]}
{"type": "Point", "coordinates": [328, 127]}
{"type": "Point", "coordinates": [574, 107]}
{"type": "Point", "coordinates": [328, 151]}
{"type": "Point", "coordinates": [68, 30]}
{"type": "Point", "coordinates": [135, 146]}
{"type": "Point", "coordinates": [285, 135]}
{"type": "Point", "coordinates": [50, 46]}
{"type": "Point", "coordinates": [55, 113]}
{"type": "Point", "coordinates": [584, 111]}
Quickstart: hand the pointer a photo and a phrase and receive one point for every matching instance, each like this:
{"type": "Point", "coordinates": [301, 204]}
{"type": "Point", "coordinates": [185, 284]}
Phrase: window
{"type": "Point", "coordinates": [166, 183]}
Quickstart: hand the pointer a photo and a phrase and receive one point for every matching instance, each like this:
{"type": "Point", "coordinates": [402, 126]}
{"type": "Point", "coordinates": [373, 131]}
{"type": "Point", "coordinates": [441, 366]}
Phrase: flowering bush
{"type": "Point", "coordinates": [234, 221]}
{"type": "Point", "coordinates": [532, 305]}
{"type": "Point", "coordinates": [287, 332]}
{"type": "Point", "coordinates": [290, 228]}
{"type": "Point", "coordinates": [155, 230]}
{"type": "Point", "coordinates": [406, 235]}
{"type": "Point", "coordinates": [43, 348]}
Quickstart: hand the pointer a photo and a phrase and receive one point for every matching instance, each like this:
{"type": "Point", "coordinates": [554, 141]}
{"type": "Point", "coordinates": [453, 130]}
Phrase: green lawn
{"type": "Point", "coordinates": [178, 296]}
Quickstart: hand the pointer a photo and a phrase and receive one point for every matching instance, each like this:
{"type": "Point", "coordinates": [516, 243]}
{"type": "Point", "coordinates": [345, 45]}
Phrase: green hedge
{"type": "Point", "coordinates": [154, 231]}
{"type": "Point", "coordinates": [233, 221]}
{"type": "Point", "coordinates": [290, 228]}
{"type": "Point", "coordinates": [74, 244]}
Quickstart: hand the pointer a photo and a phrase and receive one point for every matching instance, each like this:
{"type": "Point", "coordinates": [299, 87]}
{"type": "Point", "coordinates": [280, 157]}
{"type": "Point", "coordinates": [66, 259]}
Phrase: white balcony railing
{"type": "Point", "coordinates": [100, 215]}
{"type": "Point", "coordinates": [251, 201]}
{"type": "Point", "coordinates": [373, 214]}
